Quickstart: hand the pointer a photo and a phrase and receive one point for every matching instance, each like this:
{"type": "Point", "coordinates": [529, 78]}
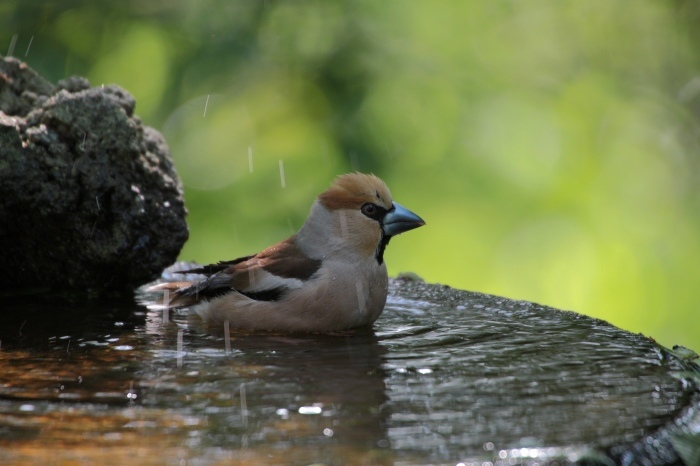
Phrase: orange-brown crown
{"type": "Point", "coordinates": [352, 190]}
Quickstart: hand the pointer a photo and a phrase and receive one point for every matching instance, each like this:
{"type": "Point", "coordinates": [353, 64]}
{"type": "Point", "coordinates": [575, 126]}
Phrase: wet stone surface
{"type": "Point", "coordinates": [89, 196]}
{"type": "Point", "coordinates": [445, 377]}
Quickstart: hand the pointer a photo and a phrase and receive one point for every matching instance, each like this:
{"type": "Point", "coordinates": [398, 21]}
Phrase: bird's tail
{"type": "Point", "coordinates": [172, 295]}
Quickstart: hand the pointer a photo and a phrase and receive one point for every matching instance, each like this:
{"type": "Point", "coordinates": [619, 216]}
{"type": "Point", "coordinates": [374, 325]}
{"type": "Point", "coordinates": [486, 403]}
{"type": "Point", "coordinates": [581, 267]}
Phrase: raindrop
{"type": "Point", "coordinates": [354, 163]}
{"type": "Point", "coordinates": [251, 277]}
{"type": "Point", "coordinates": [13, 42]}
{"type": "Point", "coordinates": [343, 223]}
{"type": "Point", "coordinates": [179, 347]}
{"type": "Point", "coordinates": [206, 104]}
{"type": "Point", "coordinates": [244, 406]}
{"type": "Point", "coordinates": [130, 394]}
{"type": "Point", "coordinates": [360, 296]}
{"type": "Point", "coordinates": [227, 336]}
{"type": "Point", "coordinates": [166, 302]}
{"type": "Point", "coordinates": [30, 44]}
{"type": "Point", "coordinates": [282, 174]}
{"type": "Point", "coordinates": [310, 410]}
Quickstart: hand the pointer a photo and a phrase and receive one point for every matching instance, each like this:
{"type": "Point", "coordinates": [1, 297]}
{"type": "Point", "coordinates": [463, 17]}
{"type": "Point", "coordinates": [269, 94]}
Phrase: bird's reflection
{"type": "Point", "coordinates": [287, 389]}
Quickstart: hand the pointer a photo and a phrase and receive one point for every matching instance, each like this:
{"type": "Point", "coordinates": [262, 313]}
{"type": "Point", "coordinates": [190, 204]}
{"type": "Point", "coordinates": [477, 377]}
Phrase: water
{"type": "Point", "coordinates": [443, 378]}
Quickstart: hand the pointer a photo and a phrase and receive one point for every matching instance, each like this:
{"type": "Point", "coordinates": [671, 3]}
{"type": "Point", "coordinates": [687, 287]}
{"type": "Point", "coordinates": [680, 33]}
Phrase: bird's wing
{"type": "Point", "coordinates": [266, 276]}
{"type": "Point", "coordinates": [211, 269]}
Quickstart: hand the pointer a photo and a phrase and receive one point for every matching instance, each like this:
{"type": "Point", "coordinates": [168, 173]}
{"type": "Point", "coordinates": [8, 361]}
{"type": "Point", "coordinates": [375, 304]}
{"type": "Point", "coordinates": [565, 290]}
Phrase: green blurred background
{"type": "Point", "coordinates": [551, 146]}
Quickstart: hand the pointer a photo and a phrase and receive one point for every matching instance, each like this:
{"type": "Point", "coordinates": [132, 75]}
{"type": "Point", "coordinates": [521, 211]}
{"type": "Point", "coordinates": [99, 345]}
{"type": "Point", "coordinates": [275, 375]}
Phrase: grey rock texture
{"type": "Point", "coordinates": [89, 197]}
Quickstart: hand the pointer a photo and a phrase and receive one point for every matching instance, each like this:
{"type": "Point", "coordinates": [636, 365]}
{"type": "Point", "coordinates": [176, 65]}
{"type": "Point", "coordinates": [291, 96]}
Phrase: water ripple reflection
{"type": "Point", "coordinates": [443, 377]}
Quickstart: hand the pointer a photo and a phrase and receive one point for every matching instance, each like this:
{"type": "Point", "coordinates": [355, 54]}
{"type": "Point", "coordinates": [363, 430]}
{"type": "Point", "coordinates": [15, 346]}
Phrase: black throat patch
{"type": "Point", "coordinates": [380, 249]}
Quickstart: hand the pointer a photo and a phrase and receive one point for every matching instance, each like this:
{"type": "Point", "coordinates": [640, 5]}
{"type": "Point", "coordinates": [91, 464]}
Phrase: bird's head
{"type": "Point", "coordinates": [363, 215]}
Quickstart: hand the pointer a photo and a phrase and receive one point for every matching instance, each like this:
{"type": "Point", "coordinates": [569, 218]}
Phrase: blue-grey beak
{"type": "Point", "coordinates": [400, 219]}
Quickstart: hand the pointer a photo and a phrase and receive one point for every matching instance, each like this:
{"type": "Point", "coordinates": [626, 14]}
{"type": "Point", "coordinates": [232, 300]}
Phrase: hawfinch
{"type": "Point", "coordinates": [329, 276]}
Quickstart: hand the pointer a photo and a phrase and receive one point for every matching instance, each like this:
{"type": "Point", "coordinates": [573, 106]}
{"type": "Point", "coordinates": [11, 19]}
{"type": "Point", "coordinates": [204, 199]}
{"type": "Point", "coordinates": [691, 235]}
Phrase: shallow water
{"type": "Point", "coordinates": [439, 380]}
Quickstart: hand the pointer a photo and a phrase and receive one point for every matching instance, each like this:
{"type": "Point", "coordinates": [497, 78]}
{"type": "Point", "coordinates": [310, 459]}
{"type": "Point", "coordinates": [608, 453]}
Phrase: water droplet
{"type": "Point", "coordinates": [310, 410]}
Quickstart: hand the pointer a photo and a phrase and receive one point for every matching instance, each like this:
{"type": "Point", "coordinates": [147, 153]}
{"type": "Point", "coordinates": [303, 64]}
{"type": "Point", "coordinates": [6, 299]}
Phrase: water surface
{"type": "Point", "coordinates": [441, 379]}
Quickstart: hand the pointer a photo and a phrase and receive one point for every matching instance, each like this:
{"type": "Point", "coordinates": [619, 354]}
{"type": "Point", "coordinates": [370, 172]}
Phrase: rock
{"type": "Point", "coordinates": [522, 383]}
{"type": "Point", "coordinates": [89, 197]}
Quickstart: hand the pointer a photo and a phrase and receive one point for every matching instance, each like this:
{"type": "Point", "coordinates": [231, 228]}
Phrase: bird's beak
{"type": "Point", "coordinates": [400, 219]}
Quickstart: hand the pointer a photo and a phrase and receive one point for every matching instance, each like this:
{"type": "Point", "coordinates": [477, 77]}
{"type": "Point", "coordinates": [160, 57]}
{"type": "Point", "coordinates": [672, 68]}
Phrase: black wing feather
{"type": "Point", "coordinates": [213, 269]}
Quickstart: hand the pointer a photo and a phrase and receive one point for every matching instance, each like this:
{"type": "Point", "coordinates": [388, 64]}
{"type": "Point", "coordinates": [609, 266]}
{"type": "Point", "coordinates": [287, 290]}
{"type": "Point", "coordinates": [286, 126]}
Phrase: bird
{"type": "Point", "coordinates": [327, 277]}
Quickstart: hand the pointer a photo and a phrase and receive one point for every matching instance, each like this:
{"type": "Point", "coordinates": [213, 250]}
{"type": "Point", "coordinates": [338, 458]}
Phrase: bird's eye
{"type": "Point", "coordinates": [373, 211]}
{"type": "Point", "coordinates": [369, 209]}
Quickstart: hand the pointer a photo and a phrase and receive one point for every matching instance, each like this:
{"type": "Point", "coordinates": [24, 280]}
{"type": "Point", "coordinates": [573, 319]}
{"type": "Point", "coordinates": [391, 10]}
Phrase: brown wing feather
{"type": "Point", "coordinates": [264, 276]}
{"type": "Point", "coordinates": [286, 260]}
{"type": "Point", "coordinates": [211, 269]}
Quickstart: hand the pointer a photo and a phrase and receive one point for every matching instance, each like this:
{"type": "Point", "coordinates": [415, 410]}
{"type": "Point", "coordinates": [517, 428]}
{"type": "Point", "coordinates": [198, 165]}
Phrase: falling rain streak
{"type": "Point", "coordinates": [11, 48]}
{"type": "Point", "coordinates": [354, 164]}
{"type": "Point", "coordinates": [227, 336]}
{"type": "Point", "coordinates": [30, 44]}
{"type": "Point", "coordinates": [360, 296]}
{"type": "Point", "coordinates": [179, 347]}
{"type": "Point", "coordinates": [166, 305]}
{"type": "Point", "coordinates": [244, 406]}
{"type": "Point", "coordinates": [206, 104]}
{"type": "Point", "coordinates": [343, 224]}
{"type": "Point", "coordinates": [251, 277]}
{"type": "Point", "coordinates": [130, 394]}
{"type": "Point", "coordinates": [282, 173]}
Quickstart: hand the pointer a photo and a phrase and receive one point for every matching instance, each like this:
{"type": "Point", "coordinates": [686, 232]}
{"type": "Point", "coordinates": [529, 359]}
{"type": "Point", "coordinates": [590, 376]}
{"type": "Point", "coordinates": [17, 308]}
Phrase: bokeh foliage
{"type": "Point", "coordinates": [551, 146]}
